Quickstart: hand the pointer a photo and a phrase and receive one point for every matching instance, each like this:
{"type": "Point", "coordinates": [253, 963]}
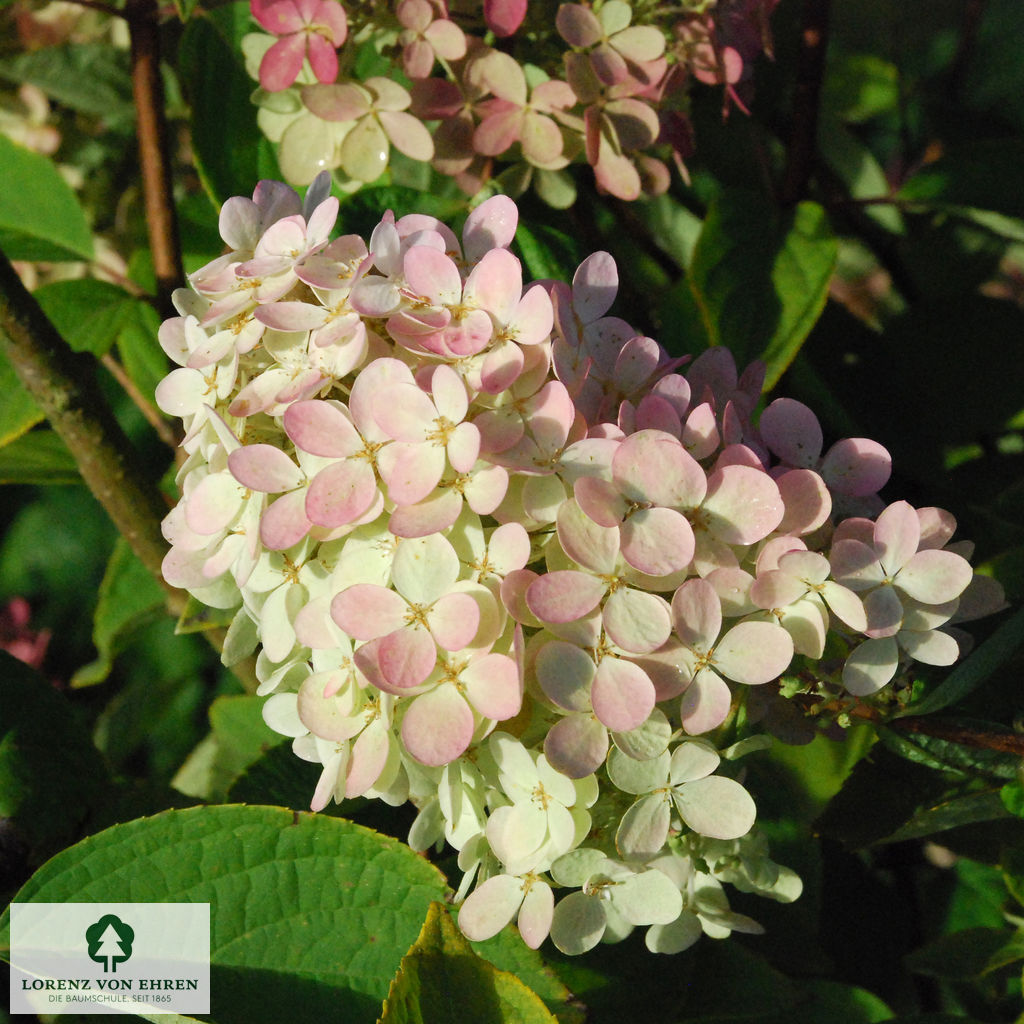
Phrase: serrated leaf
{"type": "Point", "coordinates": [85, 312]}
{"type": "Point", "coordinates": [975, 669]}
{"type": "Point", "coordinates": [760, 276]}
{"type": "Point", "coordinates": [129, 598]}
{"type": "Point", "coordinates": [40, 216]}
{"type": "Point", "coordinates": [38, 457]}
{"type": "Point", "coordinates": [50, 772]}
{"type": "Point", "coordinates": [508, 952]}
{"type": "Point", "coordinates": [18, 410]}
{"type": "Point", "coordinates": [955, 812]}
{"type": "Point", "coordinates": [93, 78]}
{"type": "Point", "coordinates": [306, 910]}
{"type": "Point", "coordinates": [442, 981]}
{"type": "Point", "coordinates": [946, 754]}
{"type": "Point", "coordinates": [225, 136]}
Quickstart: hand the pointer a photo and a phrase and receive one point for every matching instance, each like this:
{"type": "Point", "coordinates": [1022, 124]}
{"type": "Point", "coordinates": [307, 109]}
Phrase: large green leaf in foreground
{"type": "Point", "coordinates": [310, 915]}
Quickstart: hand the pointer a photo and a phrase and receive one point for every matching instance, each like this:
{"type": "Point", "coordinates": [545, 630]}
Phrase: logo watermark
{"type": "Point", "coordinates": [98, 957]}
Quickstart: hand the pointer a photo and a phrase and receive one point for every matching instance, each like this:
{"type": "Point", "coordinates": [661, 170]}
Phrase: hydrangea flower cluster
{"type": "Point", "coordinates": [507, 559]}
{"type": "Point", "coordinates": [511, 89]}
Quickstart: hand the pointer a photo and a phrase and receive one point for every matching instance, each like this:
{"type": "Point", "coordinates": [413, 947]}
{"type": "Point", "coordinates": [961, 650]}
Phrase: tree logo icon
{"type": "Point", "coordinates": [110, 942]}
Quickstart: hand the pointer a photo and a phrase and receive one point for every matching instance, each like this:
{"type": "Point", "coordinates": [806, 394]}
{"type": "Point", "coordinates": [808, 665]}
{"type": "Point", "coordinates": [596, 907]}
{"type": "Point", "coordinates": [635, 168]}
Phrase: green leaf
{"type": "Point", "coordinates": [93, 78]}
{"type": "Point", "coordinates": [860, 86]}
{"type": "Point", "coordinates": [129, 598]}
{"type": "Point", "coordinates": [963, 954]}
{"type": "Point", "coordinates": [40, 217]}
{"type": "Point", "coordinates": [239, 737]}
{"type": "Point", "coordinates": [38, 457]}
{"type": "Point", "coordinates": [508, 952]}
{"type": "Point", "coordinates": [828, 1002]}
{"type": "Point", "coordinates": [306, 911]}
{"type": "Point", "coordinates": [979, 666]}
{"type": "Point", "coordinates": [198, 617]}
{"type": "Point", "coordinates": [50, 772]}
{"type": "Point", "coordinates": [225, 136]}
{"type": "Point", "coordinates": [18, 410]}
{"type": "Point", "coordinates": [86, 312]}
{"type": "Point", "coordinates": [442, 981]}
{"type": "Point", "coordinates": [760, 276]}
{"type": "Point", "coordinates": [954, 812]}
{"type": "Point", "coordinates": [949, 755]}
{"type": "Point", "coordinates": [361, 211]}
{"type": "Point", "coordinates": [984, 174]}
{"type": "Point", "coordinates": [546, 252]}
{"type": "Point", "coordinates": [143, 358]}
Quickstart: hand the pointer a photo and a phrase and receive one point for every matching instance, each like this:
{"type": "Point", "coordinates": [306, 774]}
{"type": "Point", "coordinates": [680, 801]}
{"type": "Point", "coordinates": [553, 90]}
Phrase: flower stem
{"type": "Point", "coordinates": [154, 150]}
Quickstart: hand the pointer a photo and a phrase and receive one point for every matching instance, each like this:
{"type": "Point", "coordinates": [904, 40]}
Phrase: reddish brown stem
{"type": "Point", "coordinates": [803, 139]}
{"type": "Point", "coordinates": [154, 150]}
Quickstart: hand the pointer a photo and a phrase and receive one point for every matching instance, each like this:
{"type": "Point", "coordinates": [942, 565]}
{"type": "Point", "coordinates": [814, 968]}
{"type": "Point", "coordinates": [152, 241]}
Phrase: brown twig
{"type": "Point", "coordinates": [152, 415]}
{"type": "Point", "coordinates": [810, 70]}
{"type": "Point", "coordinates": [63, 384]}
{"type": "Point", "coordinates": [154, 150]}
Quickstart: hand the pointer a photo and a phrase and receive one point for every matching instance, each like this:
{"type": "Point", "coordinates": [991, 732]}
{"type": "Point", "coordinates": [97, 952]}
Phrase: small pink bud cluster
{"type": "Point", "coordinates": [505, 558]}
{"type": "Point", "coordinates": [605, 82]}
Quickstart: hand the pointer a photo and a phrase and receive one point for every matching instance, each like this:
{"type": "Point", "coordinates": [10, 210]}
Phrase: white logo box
{"type": "Point", "coordinates": [103, 957]}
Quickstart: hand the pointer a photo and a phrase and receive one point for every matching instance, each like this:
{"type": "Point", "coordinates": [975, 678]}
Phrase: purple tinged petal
{"type": "Point", "coordinates": [578, 25]}
{"type": "Point", "coordinates": [491, 906]}
{"type": "Point", "coordinates": [636, 621]}
{"type": "Point", "coordinates": [652, 467]}
{"type": "Point", "coordinates": [705, 704]}
{"type": "Point", "coordinates": [845, 604]}
{"type": "Point", "coordinates": [717, 807]}
{"type": "Point", "coordinates": [697, 614]}
{"type": "Point", "coordinates": [754, 652]}
{"type": "Point", "coordinates": [932, 647]}
{"type": "Point", "coordinates": [438, 726]}
{"type": "Point", "coordinates": [743, 504]}
{"type": "Point", "coordinates": [492, 686]}
{"type": "Point", "coordinates": [431, 515]}
{"type": "Point", "coordinates": [896, 536]}
{"type": "Point", "coordinates": [592, 546]}
{"type": "Point", "coordinates": [491, 225]}
{"type": "Point", "coordinates": [262, 467]}
{"type": "Point", "coordinates": [856, 467]}
{"type": "Point", "coordinates": [792, 432]}
{"type": "Point", "coordinates": [323, 57]}
{"type": "Point", "coordinates": [432, 274]}
{"type": "Point", "coordinates": [855, 564]}
{"type": "Point", "coordinates": [340, 493]}
{"type": "Point", "coordinates": [657, 541]}
{"type": "Point", "coordinates": [884, 612]}
{"type": "Point", "coordinates": [406, 657]}
{"type": "Point", "coordinates": [776, 589]}
{"type": "Point", "coordinates": [806, 499]}
{"type": "Point", "coordinates": [285, 522]}
{"type": "Point", "coordinates": [368, 760]}
{"type": "Point", "coordinates": [564, 595]}
{"type": "Point", "coordinates": [934, 576]}
{"type": "Point", "coordinates": [282, 63]}
{"type": "Point", "coordinates": [321, 428]}
{"type": "Point", "coordinates": [594, 286]}
{"type": "Point", "coordinates": [576, 745]}
{"type": "Point", "coordinates": [600, 500]}
{"type": "Point", "coordinates": [336, 102]}
{"type": "Point", "coordinates": [871, 666]}
{"type": "Point", "coordinates": [407, 134]}
{"type": "Point", "coordinates": [454, 620]}
{"type": "Point", "coordinates": [411, 471]}
{"type": "Point", "coordinates": [366, 611]}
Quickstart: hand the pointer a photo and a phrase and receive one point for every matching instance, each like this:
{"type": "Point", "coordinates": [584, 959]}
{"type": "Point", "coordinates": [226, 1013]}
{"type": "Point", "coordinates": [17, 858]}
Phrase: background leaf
{"type": "Point", "coordinates": [306, 910]}
{"type": "Point", "coordinates": [761, 276]}
{"type": "Point", "coordinates": [40, 216]}
{"type": "Point", "coordinates": [442, 981]}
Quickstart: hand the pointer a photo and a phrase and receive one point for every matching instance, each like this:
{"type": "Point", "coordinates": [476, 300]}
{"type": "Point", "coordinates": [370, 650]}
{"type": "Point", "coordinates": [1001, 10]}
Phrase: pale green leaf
{"type": "Point", "coordinates": [442, 981]}
{"type": "Point", "coordinates": [38, 457]}
{"type": "Point", "coordinates": [129, 598]}
{"type": "Point", "coordinates": [40, 217]}
{"type": "Point", "coordinates": [306, 910]}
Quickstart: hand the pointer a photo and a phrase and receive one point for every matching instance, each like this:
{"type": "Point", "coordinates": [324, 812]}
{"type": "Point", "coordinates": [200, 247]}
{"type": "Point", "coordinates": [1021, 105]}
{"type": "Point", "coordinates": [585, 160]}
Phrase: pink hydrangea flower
{"type": "Point", "coordinates": [312, 29]}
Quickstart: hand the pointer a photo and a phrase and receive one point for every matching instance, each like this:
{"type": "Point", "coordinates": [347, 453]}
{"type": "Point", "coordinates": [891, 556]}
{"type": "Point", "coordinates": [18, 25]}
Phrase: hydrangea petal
{"type": "Point", "coordinates": [576, 746]}
{"type": "Point", "coordinates": [754, 652]}
{"type": "Point", "coordinates": [622, 694]}
{"type": "Point", "coordinates": [716, 807]}
{"type": "Point", "coordinates": [438, 726]}
{"type": "Point", "coordinates": [870, 666]}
